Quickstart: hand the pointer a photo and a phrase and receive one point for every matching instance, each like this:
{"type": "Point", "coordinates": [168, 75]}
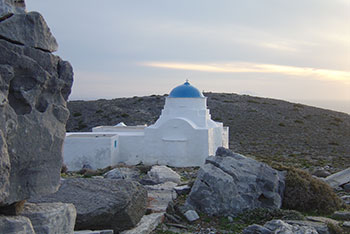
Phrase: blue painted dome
{"type": "Point", "coordinates": [185, 91]}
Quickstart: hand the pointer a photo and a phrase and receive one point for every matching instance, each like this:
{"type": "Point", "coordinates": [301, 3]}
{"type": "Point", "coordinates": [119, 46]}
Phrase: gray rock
{"type": "Point", "coordinates": [346, 199]}
{"type": "Point", "coordinates": [160, 195]}
{"type": "Point", "coordinates": [339, 178]}
{"type": "Point", "coordinates": [279, 226]}
{"type": "Point", "coordinates": [161, 174]}
{"type": "Point", "coordinates": [191, 215]}
{"type": "Point", "coordinates": [341, 215]}
{"type": "Point", "coordinates": [10, 7]}
{"type": "Point", "coordinates": [28, 29]}
{"type": "Point", "coordinates": [232, 184]}
{"type": "Point", "coordinates": [34, 87]}
{"type": "Point", "coordinates": [102, 203]}
{"type": "Point", "coordinates": [51, 217]}
{"type": "Point", "coordinates": [182, 190]}
{"type": "Point", "coordinates": [346, 187]}
{"type": "Point", "coordinates": [15, 225]}
{"type": "Point", "coordinates": [346, 224]}
{"type": "Point", "coordinates": [94, 232]}
{"type": "Point", "coordinates": [321, 173]}
{"type": "Point", "coordinates": [147, 224]}
{"type": "Point", "coordinates": [320, 227]}
{"type": "Point", "coordinates": [123, 173]}
{"type": "Point", "coordinates": [256, 229]}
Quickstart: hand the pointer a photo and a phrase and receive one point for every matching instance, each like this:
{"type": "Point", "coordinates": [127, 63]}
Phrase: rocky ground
{"type": "Point", "coordinates": [267, 129]}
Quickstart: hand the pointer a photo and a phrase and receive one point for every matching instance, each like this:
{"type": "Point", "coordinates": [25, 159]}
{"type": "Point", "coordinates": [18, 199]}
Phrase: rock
{"type": "Point", "coordinates": [10, 7]}
{"type": "Point", "coordinates": [229, 185]}
{"type": "Point", "coordinates": [182, 190]}
{"type": "Point", "coordinates": [321, 173]}
{"type": "Point", "coordinates": [191, 215]}
{"type": "Point", "coordinates": [13, 209]}
{"type": "Point", "coordinates": [279, 226]}
{"type": "Point", "coordinates": [339, 178]}
{"type": "Point", "coordinates": [341, 215]}
{"type": "Point", "coordinates": [346, 199]}
{"type": "Point", "coordinates": [161, 174]}
{"type": "Point", "coordinates": [256, 229]}
{"type": "Point", "coordinates": [94, 232]}
{"type": "Point", "coordinates": [28, 29]}
{"type": "Point", "coordinates": [15, 225]}
{"type": "Point", "coordinates": [160, 195]}
{"type": "Point", "coordinates": [320, 227]}
{"type": "Point", "coordinates": [346, 224]}
{"type": "Point", "coordinates": [322, 220]}
{"type": "Point", "coordinates": [147, 224]}
{"type": "Point", "coordinates": [123, 173]}
{"type": "Point", "coordinates": [34, 87]}
{"type": "Point", "coordinates": [51, 217]}
{"type": "Point", "coordinates": [346, 187]}
{"type": "Point", "coordinates": [102, 203]}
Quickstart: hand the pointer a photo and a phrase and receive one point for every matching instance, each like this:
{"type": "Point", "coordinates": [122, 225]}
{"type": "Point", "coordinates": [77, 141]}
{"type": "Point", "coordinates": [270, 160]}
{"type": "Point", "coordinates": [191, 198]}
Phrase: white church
{"type": "Point", "coordinates": [183, 136]}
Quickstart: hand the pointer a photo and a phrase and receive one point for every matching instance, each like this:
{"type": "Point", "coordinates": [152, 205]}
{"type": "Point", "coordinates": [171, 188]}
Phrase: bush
{"type": "Point", "coordinates": [307, 194]}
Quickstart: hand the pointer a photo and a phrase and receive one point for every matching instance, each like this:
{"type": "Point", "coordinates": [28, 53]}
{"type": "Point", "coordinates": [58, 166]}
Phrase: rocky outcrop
{"type": "Point", "coordinates": [30, 30]}
{"type": "Point", "coordinates": [102, 203]}
{"type": "Point", "coordinates": [16, 225]}
{"type": "Point", "coordinates": [10, 7]}
{"type": "Point", "coordinates": [229, 184]}
{"type": "Point", "coordinates": [34, 88]}
{"type": "Point", "coordinates": [51, 217]}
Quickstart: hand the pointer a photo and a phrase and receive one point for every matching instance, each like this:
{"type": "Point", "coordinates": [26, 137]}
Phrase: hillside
{"type": "Point", "coordinates": [268, 129]}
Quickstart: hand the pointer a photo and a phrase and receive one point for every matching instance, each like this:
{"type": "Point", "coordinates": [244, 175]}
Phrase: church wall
{"type": "Point", "coordinates": [176, 143]}
{"type": "Point", "coordinates": [130, 150]}
{"type": "Point", "coordinates": [95, 150]}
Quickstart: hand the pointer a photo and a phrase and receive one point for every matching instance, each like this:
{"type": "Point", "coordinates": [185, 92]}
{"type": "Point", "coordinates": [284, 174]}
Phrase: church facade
{"type": "Point", "coordinates": [183, 136]}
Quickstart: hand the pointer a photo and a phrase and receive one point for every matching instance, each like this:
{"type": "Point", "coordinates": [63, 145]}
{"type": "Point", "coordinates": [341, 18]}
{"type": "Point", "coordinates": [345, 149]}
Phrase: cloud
{"type": "Point", "coordinates": [239, 67]}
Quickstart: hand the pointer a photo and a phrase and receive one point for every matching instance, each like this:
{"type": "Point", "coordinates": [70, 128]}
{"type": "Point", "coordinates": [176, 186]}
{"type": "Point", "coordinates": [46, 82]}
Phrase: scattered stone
{"type": "Point", "coordinates": [322, 220]}
{"type": "Point", "coordinates": [346, 199]}
{"type": "Point", "coordinates": [160, 195]}
{"type": "Point", "coordinates": [256, 229]}
{"type": "Point", "coordinates": [162, 174]}
{"type": "Point", "coordinates": [51, 217]}
{"type": "Point", "coordinates": [94, 232]}
{"type": "Point", "coordinates": [346, 224]}
{"type": "Point", "coordinates": [147, 224]}
{"type": "Point", "coordinates": [341, 215]}
{"type": "Point", "coordinates": [279, 226]}
{"type": "Point", "coordinates": [16, 225]}
{"type": "Point", "coordinates": [172, 218]}
{"type": "Point", "coordinates": [28, 29]}
{"type": "Point", "coordinates": [102, 203]}
{"type": "Point", "coordinates": [321, 173]}
{"type": "Point", "coordinates": [35, 86]}
{"type": "Point", "coordinates": [346, 187]}
{"type": "Point", "coordinates": [123, 173]}
{"type": "Point", "coordinates": [339, 178]}
{"type": "Point", "coordinates": [191, 215]}
{"type": "Point", "coordinates": [230, 219]}
{"type": "Point", "coordinates": [182, 190]}
{"type": "Point", "coordinates": [321, 228]}
{"type": "Point", "coordinates": [228, 185]}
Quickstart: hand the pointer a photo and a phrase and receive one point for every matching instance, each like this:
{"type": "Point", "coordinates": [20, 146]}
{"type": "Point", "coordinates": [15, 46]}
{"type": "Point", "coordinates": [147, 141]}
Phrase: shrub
{"type": "Point", "coordinates": [307, 194]}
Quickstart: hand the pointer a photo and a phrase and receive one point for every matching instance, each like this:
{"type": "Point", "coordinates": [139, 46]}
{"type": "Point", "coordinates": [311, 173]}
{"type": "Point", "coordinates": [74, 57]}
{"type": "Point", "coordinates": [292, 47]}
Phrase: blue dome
{"type": "Point", "coordinates": [185, 91]}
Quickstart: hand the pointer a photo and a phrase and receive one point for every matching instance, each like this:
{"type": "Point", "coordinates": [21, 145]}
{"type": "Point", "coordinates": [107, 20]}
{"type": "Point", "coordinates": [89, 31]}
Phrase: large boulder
{"type": "Point", "coordinates": [10, 7]}
{"type": "Point", "coordinates": [51, 217]}
{"type": "Point", "coordinates": [34, 88]}
{"type": "Point", "coordinates": [16, 225]}
{"type": "Point", "coordinates": [102, 203]}
{"type": "Point", "coordinates": [229, 184]}
{"type": "Point", "coordinates": [28, 29]}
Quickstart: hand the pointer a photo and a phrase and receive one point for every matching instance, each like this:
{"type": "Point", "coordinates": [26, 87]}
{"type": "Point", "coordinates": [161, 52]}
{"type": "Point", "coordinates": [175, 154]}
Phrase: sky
{"type": "Point", "coordinates": [292, 50]}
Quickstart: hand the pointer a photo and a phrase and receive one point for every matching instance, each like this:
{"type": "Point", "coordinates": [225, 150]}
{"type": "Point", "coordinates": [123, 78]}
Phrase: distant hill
{"type": "Point", "coordinates": [270, 130]}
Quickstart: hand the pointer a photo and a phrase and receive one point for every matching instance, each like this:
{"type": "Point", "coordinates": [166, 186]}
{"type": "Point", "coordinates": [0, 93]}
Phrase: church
{"type": "Point", "coordinates": [183, 136]}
